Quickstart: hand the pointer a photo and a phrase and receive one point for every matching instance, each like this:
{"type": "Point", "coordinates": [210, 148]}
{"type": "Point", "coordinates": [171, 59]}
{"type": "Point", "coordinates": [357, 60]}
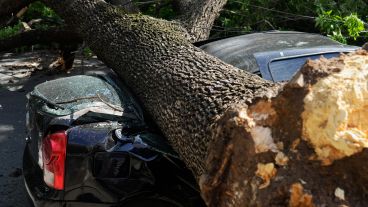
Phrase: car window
{"type": "Point", "coordinates": [239, 51]}
{"type": "Point", "coordinates": [285, 69]}
{"type": "Point", "coordinates": [281, 65]}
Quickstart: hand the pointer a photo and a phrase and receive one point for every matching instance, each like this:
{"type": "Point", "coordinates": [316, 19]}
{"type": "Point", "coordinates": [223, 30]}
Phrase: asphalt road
{"type": "Point", "coordinates": [18, 75]}
{"type": "Point", "coordinates": [12, 134]}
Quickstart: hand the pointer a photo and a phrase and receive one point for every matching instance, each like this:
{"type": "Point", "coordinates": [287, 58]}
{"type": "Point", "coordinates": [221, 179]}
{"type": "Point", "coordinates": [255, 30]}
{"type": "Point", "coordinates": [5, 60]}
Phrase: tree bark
{"type": "Point", "coordinates": [304, 145]}
{"type": "Point", "coordinates": [198, 17]}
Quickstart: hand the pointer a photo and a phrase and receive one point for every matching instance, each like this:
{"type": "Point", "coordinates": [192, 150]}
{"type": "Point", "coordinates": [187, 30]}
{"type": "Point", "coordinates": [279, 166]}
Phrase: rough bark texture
{"type": "Point", "coordinates": [32, 37]}
{"type": "Point", "coordinates": [9, 8]}
{"type": "Point", "coordinates": [198, 16]}
{"type": "Point", "coordinates": [183, 88]}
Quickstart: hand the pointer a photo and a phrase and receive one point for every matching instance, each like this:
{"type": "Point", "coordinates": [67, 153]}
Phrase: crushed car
{"type": "Point", "coordinates": [90, 143]}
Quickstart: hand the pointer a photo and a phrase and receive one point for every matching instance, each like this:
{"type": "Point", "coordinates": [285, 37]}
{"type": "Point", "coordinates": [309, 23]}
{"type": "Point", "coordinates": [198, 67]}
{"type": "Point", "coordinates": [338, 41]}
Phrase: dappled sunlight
{"type": "Point", "coordinates": [16, 69]}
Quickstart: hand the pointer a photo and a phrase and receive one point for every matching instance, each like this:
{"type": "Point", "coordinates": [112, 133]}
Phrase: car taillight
{"type": "Point", "coordinates": [53, 156]}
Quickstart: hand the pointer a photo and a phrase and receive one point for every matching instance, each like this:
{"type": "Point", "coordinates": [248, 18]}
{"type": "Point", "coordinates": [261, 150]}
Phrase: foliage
{"type": "Point", "coordinates": [38, 10]}
{"type": "Point", "coordinates": [354, 25]}
{"type": "Point", "coordinates": [87, 52]}
{"type": "Point", "coordinates": [160, 9]}
{"type": "Point", "coordinates": [339, 28]}
{"type": "Point", "coordinates": [342, 20]}
{"type": "Point", "coordinates": [10, 31]}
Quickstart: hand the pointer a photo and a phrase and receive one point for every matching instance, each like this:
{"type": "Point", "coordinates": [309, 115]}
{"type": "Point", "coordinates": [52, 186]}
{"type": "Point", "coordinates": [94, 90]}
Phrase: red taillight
{"type": "Point", "coordinates": [53, 156]}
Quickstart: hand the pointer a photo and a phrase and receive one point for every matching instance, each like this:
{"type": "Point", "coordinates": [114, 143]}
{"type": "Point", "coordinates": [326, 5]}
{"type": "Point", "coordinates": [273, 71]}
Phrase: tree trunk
{"type": "Point", "coordinates": [198, 17]}
{"type": "Point", "coordinates": [300, 146]}
{"type": "Point", "coordinates": [183, 88]}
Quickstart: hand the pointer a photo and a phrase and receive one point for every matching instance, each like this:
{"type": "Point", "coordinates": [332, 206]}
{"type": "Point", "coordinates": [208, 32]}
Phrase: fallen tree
{"type": "Point", "coordinates": [248, 141]}
{"type": "Point", "coordinates": [269, 142]}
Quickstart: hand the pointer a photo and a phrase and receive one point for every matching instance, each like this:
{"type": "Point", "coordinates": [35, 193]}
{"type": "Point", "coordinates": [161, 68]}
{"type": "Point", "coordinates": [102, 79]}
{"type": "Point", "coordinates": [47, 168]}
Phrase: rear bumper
{"type": "Point", "coordinates": [39, 202]}
{"type": "Point", "coordinates": [42, 196]}
{"type": "Point", "coordinates": [34, 184]}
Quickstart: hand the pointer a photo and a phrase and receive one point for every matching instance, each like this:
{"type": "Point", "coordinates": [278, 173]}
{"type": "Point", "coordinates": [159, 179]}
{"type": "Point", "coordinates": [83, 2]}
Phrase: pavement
{"type": "Point", "coordinates": [19, 73]}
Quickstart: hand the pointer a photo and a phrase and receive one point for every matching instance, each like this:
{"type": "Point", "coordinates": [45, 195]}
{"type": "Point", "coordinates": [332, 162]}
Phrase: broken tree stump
{"type": "Point", "coordinates": [307, 146]}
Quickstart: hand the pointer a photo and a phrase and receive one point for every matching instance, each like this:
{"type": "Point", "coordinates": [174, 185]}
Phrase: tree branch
{"type": "Point", "coordinates": [199, 16]}
{"type": "Point", "coordinates": [9, 9]}
{"type": "Point", "coordinates": [32, 37]}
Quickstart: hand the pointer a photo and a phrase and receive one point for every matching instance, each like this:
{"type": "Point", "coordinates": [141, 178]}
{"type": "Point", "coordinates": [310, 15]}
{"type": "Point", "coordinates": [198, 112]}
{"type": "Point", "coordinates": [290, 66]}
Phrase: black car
{"type": "Point", "coordinates": [90, 144]}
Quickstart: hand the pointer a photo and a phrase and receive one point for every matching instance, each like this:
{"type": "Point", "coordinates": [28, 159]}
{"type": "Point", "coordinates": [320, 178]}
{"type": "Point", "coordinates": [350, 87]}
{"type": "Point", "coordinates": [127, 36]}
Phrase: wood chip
{"type": "Point", "coordinates": [266, 172]}
{"type": "Point", "coordinates": [281, 159]}
{"type": "Point", "coordinates": [340, 193]}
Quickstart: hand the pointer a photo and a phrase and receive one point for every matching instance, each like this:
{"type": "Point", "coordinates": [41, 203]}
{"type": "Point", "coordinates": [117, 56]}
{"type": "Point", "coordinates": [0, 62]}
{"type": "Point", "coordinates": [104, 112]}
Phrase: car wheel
{"type": "Point", "coordinates": [149, 202]}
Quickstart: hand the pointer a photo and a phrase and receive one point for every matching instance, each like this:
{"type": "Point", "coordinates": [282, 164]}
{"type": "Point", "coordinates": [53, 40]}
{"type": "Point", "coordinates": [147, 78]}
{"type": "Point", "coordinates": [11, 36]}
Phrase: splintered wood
{"type": "Point", "coordinates": [283, 147]}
